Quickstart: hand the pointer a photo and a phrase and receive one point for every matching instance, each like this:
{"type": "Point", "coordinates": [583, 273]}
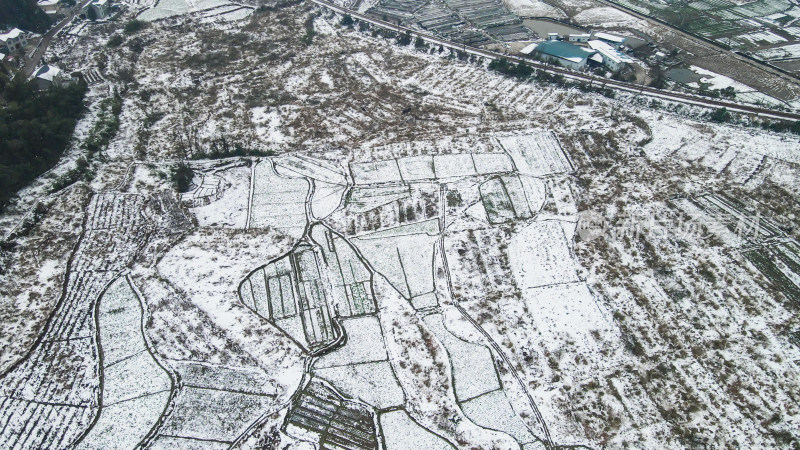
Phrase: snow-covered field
{"type": "Point", "coordinates": [783, 52]}
{"type": "Point", "coordinates": [534, 8]}
{"type": "Point", "coordinates": [383, 247]}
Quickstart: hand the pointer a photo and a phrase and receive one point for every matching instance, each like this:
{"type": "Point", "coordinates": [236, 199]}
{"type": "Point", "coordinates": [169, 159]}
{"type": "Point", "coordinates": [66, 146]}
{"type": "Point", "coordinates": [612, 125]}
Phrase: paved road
{"type": "Point", "coordinates": [681, 97]}
{"type": "Point", "coordinates": [33, 63]}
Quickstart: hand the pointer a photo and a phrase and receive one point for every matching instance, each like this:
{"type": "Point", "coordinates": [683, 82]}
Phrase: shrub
{"type": "Point", "coordinates": [721, 115]}
{"type": "Point", "coordinates": [115, 41]}
{"type": "Point", "coordinates": [502, 65]}
{"type": "Point", "coordinates": [135, 25]}
{"type": "Point", "coordinates": [182, 176]}
{"type": "Point", "coordinates": [404, 39]}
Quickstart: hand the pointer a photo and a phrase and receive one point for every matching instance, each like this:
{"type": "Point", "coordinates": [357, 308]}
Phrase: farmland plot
{"type": "Point", "coordinates": [213, 415]}
{"type": "Point", "coordinates": [780, 263]}
{"type": "Point", "coordinates": [479, 263]}
{"type": "Point", "coordinates": [59, 379]}
{"type": "Point", "coordinates": [326, 199]}
{"type": "Point", "coordinates": [430, 167]}
{"type": "Point", "coordinates": [225, 203]}
{"type": "Point", "coordinates": [494, 411]}
{"type": "Point", "coordinates": [169, 8]}
{"type": "Point", "coordinates": [206, 190]}
{"type": "Point", "coordinates": [540, 255]}
{"type": "Point", "coordinates": [350, 280]}
{"type": "Point", "coordinates": [360, 369]}
{"type": "Point", "coordinates": [474, 373]}
{"type": "Point", "coordinates": [307, 166]}
{"type": "Point", "coordinates": [329, 180]}
{"type": "Point", "coordinates": [420, 363]}
{"type": "Point", "coordinates": [401, 432]}
{"type": "Point", "coordinates": [416, 168]}
{"type": "Point", "coordinates": [301, 292]}
{"type": "Point", "coordinates": [278, 202]}
{"type": "Point", "coordinates": [291, 293]}
{"type": "Point", "coordinates": [136, 388]}
{"type": "Point", "coordinates": [399, 205]}
{"type": "Point", "coordinates": [477, 385]}
{"type": "Point", "coordinates": [366, 198]}
{"type": "Point", "coordinates": [536, 153]}
{"type": "Point", "coordinates": [404, 255]}
{"type": "Point", "coordinates": [376, 172]}
{"type": "Point", "coordinates": [727, 212]}
{"type": "Point", "coordinates": [320, 413]}
{"type": "Point", "coordinates": [730, 151]}
{"type": "Point", "coordinates": [214, 405]}
{"type": "Point", "coordinates": [511, 197]}
{"type": "Point", "coordinates": [569, 312]}
{"type": "Point", "coordinates": [373, 383]}
{"type": "Point", "coordinates": [458, 166]}
{"type": "Point", "coordinates": [364, 344]}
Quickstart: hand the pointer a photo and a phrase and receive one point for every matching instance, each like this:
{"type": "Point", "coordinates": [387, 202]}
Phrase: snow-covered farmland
{"type": "Point", "coordinates": [540, 255]}
{"type": "Point", "coordinates": [277, 201]}
{"type": "Point", "coordinates": [223, 203]}
{"type": "Point", "coordinates": [402, 432]}
{"type": "Point", "coordinates": [136, 388]}
{"type": "Point", "coordinates": [535, 8]}
{"type": "Point", "coordinates": [536, 153]}
{"type": "Point", "coordinates": [407, 253]}
{"type": "Point", "coordinates": [783, 52]}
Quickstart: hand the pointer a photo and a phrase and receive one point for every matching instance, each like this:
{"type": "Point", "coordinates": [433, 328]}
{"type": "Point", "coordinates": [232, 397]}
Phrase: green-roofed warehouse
{"type": "Point", "coordinates": [568, 55]}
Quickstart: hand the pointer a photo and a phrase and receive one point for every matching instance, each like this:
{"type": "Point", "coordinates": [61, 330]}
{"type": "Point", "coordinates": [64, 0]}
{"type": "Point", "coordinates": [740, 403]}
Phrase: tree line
{"type": "Point", "coordinates": [23, 14]}
{"type": "Point", "coordinates": [35, 129]}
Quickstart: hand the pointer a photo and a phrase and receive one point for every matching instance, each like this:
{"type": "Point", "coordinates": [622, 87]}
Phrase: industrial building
{"type": "Point", "coordinates": [610, 39]}
{"type": "Point", "coordinates": [579, 37]}
{"type": "Point", "coordinates": [612, 58]}
{"type": "Point", "coordinates": [568, 55]}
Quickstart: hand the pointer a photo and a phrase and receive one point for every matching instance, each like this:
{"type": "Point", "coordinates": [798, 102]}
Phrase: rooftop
{"type": "Point", "coordinates": [13, 34]}
{"type": "Point", "coordinates": [528, 49]}
{"type": "Point", "coordinates": [564, 50]}
{"type": "Point", "coordinates": [610, 52]}
{"type": "Point", "coordinates": [609, 37]}
{"type": "Point", "coordinates": [47, 72]}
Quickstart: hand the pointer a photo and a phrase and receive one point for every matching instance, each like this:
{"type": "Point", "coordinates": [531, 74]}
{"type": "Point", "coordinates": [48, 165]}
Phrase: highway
{"type": "Point", "coordinates": [680, 97]}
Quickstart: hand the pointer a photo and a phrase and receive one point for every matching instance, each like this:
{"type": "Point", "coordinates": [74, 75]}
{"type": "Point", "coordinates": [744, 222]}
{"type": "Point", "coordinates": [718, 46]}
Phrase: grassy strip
{"type": "Point", "coordinates": [100, 135]}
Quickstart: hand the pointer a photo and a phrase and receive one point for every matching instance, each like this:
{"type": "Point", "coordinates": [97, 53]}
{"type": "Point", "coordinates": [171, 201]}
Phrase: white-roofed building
{"type": "Point", "coordinates": [580, 37]}
{"type": "Point", "coordinates": [528, 49]}
{"type": "Point", "coordinates": [14, 40]}
{"type": "Point", "coordinates": [47, 76]}
{"type": "Point", "coordinates": [610, 39]}
{"type": "Point", "coordinates": [50, 7]}
{"type": "Point", "coordinates": [612, 58]}
{"type": "Point", "coordinates": [100, 7]}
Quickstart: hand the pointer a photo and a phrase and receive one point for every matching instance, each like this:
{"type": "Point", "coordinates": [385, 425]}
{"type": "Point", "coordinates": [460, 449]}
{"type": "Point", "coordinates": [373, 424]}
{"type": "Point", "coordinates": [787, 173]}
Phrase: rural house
{"type": "Point", "coordinates": [14, 40]}
{"type": "Point", "coordinates": [48, 76]}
